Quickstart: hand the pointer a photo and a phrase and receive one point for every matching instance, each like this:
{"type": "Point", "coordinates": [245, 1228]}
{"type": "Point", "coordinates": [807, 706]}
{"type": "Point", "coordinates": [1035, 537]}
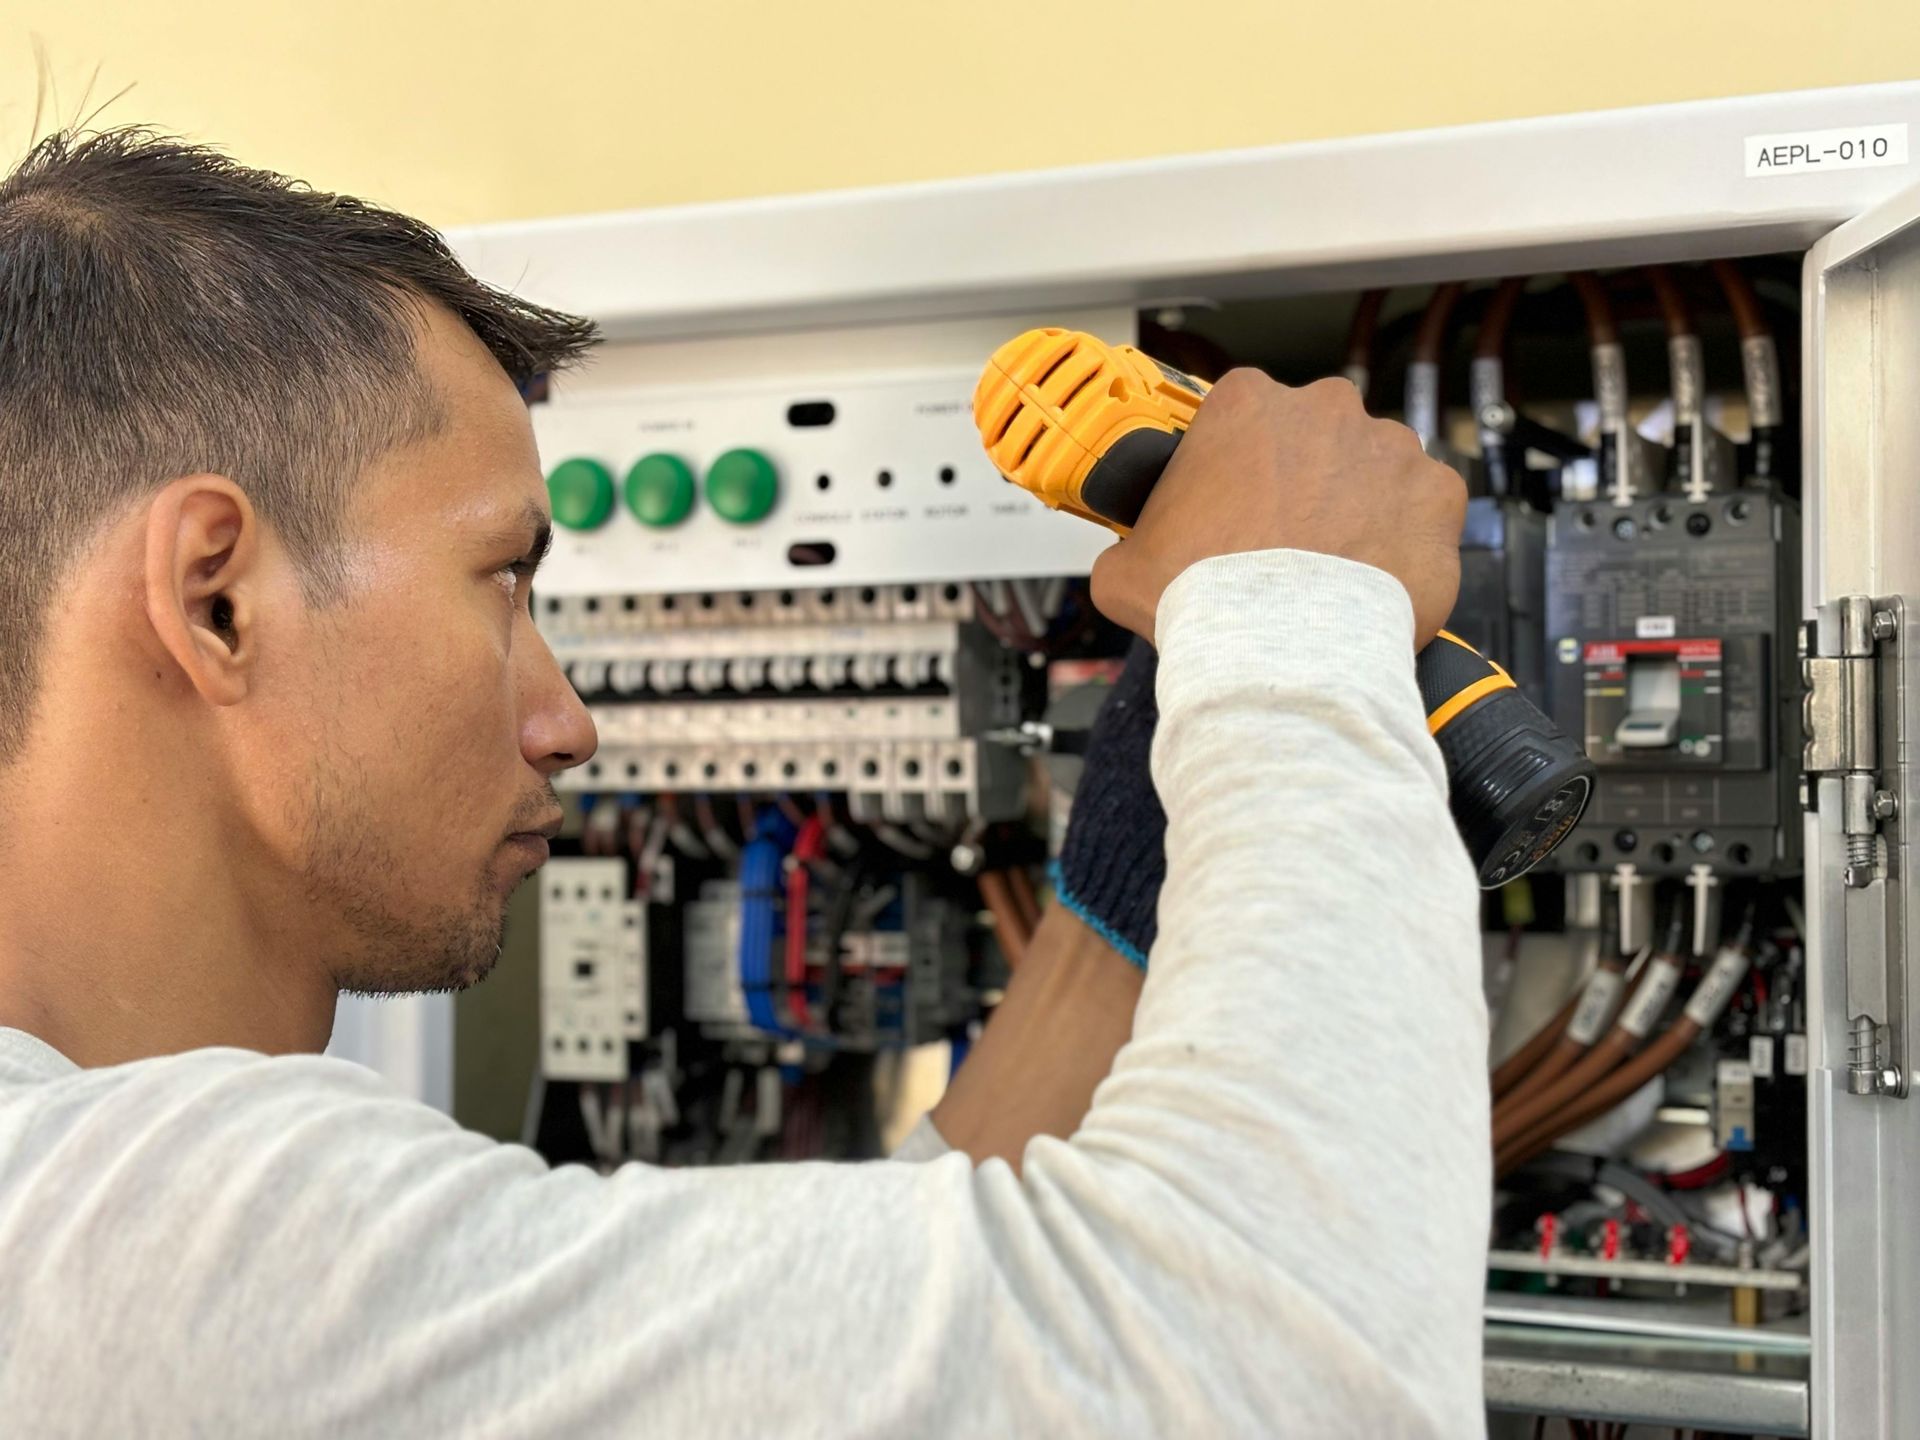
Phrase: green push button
{"type": "Point", "coordinates": [742, 486]}
{"type": "Point", "coordinates": [582, 494]}
{"type": "Point", "coordinates": [660, 490]}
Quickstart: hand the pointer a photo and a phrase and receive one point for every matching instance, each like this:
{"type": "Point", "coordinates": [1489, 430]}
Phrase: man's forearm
{"type": "Point", "coordinates": [1052, 1040]}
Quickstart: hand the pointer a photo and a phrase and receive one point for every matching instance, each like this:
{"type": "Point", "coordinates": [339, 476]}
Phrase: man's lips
{"type": "Point", "coordinates": [533, 843]}
{"type": "Point", "coordinates": [545, 830]}
{"type": "Point", "coordinates": [533, 847]}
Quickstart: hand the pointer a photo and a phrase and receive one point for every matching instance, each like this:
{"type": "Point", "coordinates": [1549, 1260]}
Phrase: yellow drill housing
{"type": "Point", "coordinates": [1084, 425]}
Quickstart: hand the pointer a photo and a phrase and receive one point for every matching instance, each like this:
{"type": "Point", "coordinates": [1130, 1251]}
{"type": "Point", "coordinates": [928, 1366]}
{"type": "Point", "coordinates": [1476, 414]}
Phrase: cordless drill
{"type": "Point", "coordinates": [1088, 427]}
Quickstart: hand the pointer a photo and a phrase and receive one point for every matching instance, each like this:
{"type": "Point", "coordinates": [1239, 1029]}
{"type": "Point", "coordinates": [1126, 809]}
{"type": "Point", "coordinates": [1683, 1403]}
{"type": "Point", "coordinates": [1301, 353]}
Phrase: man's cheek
{"type": "Point", "coordinates": [463, 736]}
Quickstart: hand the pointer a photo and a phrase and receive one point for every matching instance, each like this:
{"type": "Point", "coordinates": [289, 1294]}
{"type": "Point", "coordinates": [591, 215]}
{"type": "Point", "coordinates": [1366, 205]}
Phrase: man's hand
{"type": "Point", "coordinates": [1268, 467]}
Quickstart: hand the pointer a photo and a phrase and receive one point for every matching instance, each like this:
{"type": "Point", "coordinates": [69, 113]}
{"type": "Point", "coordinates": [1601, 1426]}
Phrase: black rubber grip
{"type": "Point", "coordinates": [1445, 668]}
{"type": "Point", "coordinates": [1117, 486]}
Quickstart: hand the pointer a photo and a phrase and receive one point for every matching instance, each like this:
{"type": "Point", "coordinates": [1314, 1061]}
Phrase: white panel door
{"type": "Point", "coordinates": [1862, 408]}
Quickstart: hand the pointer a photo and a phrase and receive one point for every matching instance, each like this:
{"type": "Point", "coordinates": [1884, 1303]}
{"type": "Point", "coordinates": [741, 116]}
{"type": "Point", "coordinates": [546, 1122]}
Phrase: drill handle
{"type": "Point", "coordinates": [1115, 490]}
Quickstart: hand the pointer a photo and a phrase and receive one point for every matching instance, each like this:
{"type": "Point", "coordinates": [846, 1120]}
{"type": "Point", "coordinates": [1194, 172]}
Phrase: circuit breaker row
{"type": "Point", "coordinates": [911, 657]}
{"type": "Point", "coordinates": [568, 618]}
{"type": "Point", "coordinates": [945, 782]}
{"type": "Point", "coordinates": [888, 706]}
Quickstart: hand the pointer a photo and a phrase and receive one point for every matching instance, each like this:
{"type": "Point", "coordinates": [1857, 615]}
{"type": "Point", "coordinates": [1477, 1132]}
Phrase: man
{"type": "Point", "coordinates": [275, 722]}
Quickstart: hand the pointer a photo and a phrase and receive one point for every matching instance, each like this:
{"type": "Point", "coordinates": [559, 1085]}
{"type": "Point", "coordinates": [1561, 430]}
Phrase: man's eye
{"type": "Point", "coordinates": [515, 577]}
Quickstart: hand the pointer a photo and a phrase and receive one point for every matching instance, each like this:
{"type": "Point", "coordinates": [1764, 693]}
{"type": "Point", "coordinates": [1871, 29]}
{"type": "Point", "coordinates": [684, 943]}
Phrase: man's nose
{"type": "Point", "coordinates": [556, 732]}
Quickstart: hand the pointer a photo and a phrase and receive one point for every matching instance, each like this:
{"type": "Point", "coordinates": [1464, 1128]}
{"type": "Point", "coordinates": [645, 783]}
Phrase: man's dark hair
{"type": "Point", "coordinates": [165, 311]}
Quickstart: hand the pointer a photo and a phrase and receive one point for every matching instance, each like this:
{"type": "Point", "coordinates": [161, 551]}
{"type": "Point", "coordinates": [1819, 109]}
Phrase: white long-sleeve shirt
{"type": "Point", "coordinates": [1272, 1221]}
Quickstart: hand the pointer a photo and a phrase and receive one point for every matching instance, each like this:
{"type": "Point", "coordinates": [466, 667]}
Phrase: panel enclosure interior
{"type": "Point", "coordinates": [1656, 185]}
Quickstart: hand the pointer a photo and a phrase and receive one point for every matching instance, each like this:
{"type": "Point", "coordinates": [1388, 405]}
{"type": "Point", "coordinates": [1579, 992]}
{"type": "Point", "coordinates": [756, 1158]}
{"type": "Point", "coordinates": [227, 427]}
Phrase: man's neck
{"type": "Point", "coordinates": [127, 932]}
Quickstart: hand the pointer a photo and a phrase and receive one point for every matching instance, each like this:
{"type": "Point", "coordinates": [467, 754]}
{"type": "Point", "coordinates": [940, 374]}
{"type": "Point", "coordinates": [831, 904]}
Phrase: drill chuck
{"type": "Point", "coordinates": [1089, 427]}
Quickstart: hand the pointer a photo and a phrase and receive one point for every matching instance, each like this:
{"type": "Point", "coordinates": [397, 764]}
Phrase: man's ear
{"type": "Point", "coordinates": [202, 559]}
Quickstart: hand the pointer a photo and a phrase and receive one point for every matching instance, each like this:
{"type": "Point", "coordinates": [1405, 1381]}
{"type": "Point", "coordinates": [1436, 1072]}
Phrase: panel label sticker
{"type": "Point", "coordinates": [1808, 152]}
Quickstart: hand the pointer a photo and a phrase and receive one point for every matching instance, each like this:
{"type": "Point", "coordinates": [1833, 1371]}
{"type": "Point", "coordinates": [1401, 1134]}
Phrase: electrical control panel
{"type": "Point", "coordinates": [593, 970]}
{"type": "Point", "coordinates": [818, 686]}
{"type": "Point", "coordinates": [1672, 626]}
{"type": "Point", "coordinates": [819, 634]}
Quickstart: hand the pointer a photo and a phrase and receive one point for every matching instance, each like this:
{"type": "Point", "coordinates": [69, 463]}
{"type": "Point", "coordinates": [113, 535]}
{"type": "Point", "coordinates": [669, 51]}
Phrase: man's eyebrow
{"type": "Point", "coordinates": [531, 529]}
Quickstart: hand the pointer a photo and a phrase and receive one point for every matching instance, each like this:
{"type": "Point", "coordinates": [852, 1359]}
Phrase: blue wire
{"type": "Point", "coordinates": [760, 865]}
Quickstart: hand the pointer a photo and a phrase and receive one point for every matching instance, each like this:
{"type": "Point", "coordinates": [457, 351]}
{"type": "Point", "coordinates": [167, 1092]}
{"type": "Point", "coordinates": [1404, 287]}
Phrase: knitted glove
{"type": "Point", "coordinates": [1113, 860]}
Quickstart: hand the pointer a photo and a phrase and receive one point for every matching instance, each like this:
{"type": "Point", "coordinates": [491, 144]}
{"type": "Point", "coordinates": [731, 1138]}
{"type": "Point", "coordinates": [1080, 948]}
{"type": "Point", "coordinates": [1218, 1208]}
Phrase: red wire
{"type": "Point", "coordinates": [1700, 1176]}
{"type": "Point", "coordinates": [808, 845]}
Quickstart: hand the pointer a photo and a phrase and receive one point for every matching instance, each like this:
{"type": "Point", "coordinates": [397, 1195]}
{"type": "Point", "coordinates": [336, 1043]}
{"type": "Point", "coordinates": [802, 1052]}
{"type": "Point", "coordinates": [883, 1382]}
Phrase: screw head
{"type": "Point", "coordinates": [1890, 1080]}
{"type": "Point", "coordinates": [1884, 625]}
{"type": "Point", "coordinates": [965, 858]}
{"type": "Point", "coordinates": [1886, 805]}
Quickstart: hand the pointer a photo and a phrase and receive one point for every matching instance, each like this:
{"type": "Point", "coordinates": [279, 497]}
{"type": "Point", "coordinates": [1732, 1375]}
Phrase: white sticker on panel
{"type": "Point", "coordinates": [1808, 152]}
{"type": "Point", "coordinates": [1795, 1058]}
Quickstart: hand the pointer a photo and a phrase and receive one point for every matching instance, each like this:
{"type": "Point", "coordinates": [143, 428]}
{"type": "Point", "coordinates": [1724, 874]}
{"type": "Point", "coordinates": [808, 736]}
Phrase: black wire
{"type": "Point", "coordinates": [839, 916]}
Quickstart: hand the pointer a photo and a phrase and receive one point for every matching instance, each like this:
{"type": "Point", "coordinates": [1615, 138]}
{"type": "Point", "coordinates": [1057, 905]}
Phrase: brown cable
{"type": "Point", "coordinates": [1609, 1092]}
{"type": "Point", "coordinates": [1024, 900]}
{"type": "Point", "coordinates": [1366, 320]}
{"type": "Point", "coordinates": [1519, 1113]}
{"type": "Point", "coordinates": [1007, 928]}
{"type": "Point", "coordinates": [1601, 329]}
{"type": "Point", "coordinates": [1555, 1051]}
{"type": "Point", "coordinates": [1498, 320]}
{"type": "Point", "coordinates": [1673, 305]}
{"type": "Point", "coordinates": [1516, 1066]}
{"type": "Point", "coordinates": [1741, 300]}
{"type": "Point", "coordinates": [1430, 343]}
{"type": "Point", "coordinates": [1565, 1053]}
{"type": "Point", "coordinates": [1703, 1008]}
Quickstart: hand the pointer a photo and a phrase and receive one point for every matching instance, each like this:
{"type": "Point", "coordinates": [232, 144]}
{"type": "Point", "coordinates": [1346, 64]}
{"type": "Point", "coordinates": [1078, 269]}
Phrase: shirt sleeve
{"type": "Point", "coordinates": [1272, 1221]}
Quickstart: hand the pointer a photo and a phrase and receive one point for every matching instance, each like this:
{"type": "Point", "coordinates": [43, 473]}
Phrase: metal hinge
{"type": "Point", "coordinates": [1854, 776]}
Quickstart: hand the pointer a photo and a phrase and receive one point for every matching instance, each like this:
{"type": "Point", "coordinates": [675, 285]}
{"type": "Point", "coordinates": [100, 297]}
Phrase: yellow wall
{"type": "Point", "coordinates": [483, 110]}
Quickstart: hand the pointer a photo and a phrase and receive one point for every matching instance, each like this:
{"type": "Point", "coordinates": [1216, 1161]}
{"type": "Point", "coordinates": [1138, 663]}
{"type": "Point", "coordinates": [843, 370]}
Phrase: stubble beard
{"type": "Point", "coordinates": [390, 948]}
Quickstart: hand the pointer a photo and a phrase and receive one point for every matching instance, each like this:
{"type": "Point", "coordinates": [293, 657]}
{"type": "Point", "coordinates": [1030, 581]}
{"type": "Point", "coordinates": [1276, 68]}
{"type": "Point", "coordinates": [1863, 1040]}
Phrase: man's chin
{"type": "Point", "coordinates": [397, 985]}
{"type": "Point", "coordinates": [420, 969]}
